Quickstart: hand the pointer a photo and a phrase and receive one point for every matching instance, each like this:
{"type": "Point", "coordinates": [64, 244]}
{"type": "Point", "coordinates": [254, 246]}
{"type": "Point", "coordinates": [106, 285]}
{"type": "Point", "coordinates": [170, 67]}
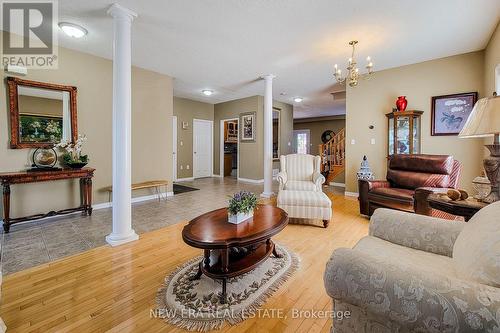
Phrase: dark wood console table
{"type": "Point", "coordinates": [8, 178]}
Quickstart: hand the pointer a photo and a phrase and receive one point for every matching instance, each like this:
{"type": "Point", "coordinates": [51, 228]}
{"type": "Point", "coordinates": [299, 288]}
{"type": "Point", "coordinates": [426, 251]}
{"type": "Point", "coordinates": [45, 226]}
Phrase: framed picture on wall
{"type": "Point", "coordinates": [248, 123]}
{"type": "Point", "coordinates": [450, 112]}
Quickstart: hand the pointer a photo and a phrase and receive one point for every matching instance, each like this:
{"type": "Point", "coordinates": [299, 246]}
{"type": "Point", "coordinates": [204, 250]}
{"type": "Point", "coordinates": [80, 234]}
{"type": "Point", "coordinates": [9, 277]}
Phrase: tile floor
{"type": "Point", "coordinates": [38, 242]}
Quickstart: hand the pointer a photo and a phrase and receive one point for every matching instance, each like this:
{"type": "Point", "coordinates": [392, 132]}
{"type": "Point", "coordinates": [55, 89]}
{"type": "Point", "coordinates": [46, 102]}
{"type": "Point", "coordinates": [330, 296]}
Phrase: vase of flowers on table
{"type": "Point", "coordinates": [241, 207]}
{"type": "Point", "coordinates": [72, 156]}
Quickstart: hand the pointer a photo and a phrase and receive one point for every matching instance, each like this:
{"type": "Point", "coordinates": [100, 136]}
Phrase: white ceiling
{"type": "Point", "coordinates": [226, 45]}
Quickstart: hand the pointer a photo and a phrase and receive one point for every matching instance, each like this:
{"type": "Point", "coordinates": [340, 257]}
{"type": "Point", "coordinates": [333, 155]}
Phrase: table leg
{"type": "Point", "coordinates": [326, 223]}
{"type": "Point", "coordinates": [83, 194]}
{"type": "Point", "coordinates": [89, 196]}
{"type": "Point", "coordinates": [275, 253]}
{"type": "Point", "coordinates": [6, 208]}
{"type": "Point", "coordinates": [197, 276]}
{"type": "Point", "coordinates": [225, 260]}
{"type": "Point", "coordinates": [206, 258]}
{"type": "Point", "coordinates": [223, 298]}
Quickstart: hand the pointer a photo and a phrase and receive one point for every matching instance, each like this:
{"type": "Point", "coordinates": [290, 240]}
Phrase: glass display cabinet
{"type": "Point", "coordinates": [404, 132]}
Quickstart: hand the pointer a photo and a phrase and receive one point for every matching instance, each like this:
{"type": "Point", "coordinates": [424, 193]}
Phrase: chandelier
{"type": "Point", "coordinates": [353, 74]}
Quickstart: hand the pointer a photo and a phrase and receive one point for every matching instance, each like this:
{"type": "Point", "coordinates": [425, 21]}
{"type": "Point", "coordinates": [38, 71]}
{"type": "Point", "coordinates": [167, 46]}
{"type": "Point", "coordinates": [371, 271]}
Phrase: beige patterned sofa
{"type": "Point", "coordinates": [415, 273]}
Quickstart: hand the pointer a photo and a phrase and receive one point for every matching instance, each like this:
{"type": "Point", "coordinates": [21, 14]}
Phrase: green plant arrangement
{"type": "Point", "coordinates": [241, 207]}
{"type": "Point", "coordinates": [72, 156]}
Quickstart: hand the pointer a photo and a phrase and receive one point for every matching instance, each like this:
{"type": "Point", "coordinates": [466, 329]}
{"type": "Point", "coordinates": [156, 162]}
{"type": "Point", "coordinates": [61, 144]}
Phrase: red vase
{"type": "Point", "coordinates": [401, 103]}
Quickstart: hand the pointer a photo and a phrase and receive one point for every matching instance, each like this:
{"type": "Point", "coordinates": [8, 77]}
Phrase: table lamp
{"type": "Point", "coordinates": [484, 121]}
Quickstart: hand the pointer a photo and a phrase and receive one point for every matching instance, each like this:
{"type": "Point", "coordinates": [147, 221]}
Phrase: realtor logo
{"type": "Point", "coordinates": [29, 37]}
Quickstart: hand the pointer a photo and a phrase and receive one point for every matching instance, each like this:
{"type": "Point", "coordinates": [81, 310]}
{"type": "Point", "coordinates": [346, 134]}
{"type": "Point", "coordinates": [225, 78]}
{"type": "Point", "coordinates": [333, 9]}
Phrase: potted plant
{"type": "Point", "coordinates": [241, 207]}
{"type": "Point", "coordinates": [72, 156]}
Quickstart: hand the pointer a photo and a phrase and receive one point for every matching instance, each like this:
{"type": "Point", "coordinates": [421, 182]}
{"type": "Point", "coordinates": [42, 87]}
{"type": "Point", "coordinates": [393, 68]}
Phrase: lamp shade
{"type": "Point", "coordinates": [484, 119]}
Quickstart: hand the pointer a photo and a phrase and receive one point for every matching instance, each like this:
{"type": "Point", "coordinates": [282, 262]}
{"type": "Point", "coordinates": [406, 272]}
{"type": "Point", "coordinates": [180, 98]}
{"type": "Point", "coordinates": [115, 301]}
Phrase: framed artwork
{"type": "Point", "coordinates": [249, 124]}
{"type": "Point", "coordinates": [40, 128]}
{"type": "Point", "coordinates": [450, 113]}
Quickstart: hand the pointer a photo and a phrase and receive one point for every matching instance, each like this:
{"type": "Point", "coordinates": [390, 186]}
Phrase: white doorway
{"type": "Point", "coordinates": [229, 144]}
{"type": "Point", "coordinates": [302, 141]}
{"type": "Point", "coordinates": [174, 147]}
{"type": "Point", "coordinates": [202, 148]}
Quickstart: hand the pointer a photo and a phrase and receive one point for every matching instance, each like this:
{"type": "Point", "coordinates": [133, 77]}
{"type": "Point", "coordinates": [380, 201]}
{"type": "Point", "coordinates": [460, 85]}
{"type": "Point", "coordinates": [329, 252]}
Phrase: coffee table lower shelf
{"type": "Point", "coordinates": [229, 262]}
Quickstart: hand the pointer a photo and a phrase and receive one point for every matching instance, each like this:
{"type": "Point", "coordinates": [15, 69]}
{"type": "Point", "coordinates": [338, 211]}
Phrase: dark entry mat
{"type": "Point", "coordinates": [183, 189]}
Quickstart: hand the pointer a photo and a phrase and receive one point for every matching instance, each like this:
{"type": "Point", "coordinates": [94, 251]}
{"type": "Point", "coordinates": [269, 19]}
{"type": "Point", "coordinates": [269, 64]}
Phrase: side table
{"type": "Point", "coordinates": [466, 208]}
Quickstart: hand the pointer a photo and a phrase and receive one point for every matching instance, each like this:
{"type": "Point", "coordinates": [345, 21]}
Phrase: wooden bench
{"type": "Point", "coordinates": [155, 184]}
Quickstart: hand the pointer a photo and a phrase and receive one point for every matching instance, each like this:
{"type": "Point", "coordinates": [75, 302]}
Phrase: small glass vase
{"type": "Point", "coordinates": [239, 218]}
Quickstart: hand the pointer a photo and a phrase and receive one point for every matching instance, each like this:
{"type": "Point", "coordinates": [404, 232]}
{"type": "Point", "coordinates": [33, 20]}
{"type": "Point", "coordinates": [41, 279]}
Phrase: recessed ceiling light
{"type": "Point", "coordinates": [207, 92]}
{"type": "Point", "coordinates": [73, 30]}
{"type": "Point", "coordinates": [298, 99]}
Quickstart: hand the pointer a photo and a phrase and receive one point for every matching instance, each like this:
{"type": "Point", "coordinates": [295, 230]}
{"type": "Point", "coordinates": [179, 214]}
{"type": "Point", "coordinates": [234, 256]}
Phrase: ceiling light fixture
{"type": "Point", "coordinates": [298, 99]}
{"type": "Point", "coordinates": [353, 74]}
{"type": "Point", "coordinates": [73, 30]}
{"type": "Point", "coordinates": [207, 92]}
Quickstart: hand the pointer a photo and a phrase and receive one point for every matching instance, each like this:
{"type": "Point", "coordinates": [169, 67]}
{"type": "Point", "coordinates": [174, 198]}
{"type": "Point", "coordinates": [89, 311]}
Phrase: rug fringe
{"type": "Point", "coordinates": [216, 323]}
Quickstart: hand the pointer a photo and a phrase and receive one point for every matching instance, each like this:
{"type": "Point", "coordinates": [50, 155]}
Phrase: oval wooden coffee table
{"type": "Point", "coordinates": [233, 249]}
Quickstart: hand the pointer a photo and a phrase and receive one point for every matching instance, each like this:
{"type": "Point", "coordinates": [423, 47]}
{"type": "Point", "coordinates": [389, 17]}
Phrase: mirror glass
{"type": "Point", "coordinates": [276, 134]}
{"type": "Point", "coordinates": [44, 115]}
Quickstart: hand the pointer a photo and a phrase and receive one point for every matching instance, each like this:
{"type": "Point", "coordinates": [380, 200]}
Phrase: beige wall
{"type": "Point", "coordinates": [286, 130]}
{"type": "Point", "coordinates": [368, 103]}
{"type": "Point", "coordinates": [187, 110]}
{"type": "Point", "coordinates": [251, 154]}
{"type": "Point", "coordinates": [491, 60]}
{"type": "Point", "coordinates": [40, 105]}
{"type": "Point", "coordinates": [151, 131]}
{"type": "Point", "coordinates": [317, 128]}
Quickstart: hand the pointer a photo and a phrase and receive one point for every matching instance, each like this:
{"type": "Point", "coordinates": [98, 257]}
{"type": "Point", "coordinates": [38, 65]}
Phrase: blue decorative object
{"type": "Point", "coordinates": [365, 172]}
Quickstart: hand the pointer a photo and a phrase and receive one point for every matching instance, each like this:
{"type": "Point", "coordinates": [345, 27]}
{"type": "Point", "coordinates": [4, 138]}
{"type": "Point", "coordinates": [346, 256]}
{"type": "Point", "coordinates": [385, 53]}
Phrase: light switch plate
{"type": "Point", "coordinates": [353, 142]}
{"type": "Point", "coordinates": [372, 141]}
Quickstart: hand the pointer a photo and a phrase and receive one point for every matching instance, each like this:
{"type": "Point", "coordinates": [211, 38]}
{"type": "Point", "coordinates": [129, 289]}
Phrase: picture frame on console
{"type": "Point", "coordinates": [449, 113]}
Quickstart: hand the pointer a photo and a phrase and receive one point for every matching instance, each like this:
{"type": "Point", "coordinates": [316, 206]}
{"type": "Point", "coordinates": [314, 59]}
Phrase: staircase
{"type": "Point", "coordinates": [332, 156]}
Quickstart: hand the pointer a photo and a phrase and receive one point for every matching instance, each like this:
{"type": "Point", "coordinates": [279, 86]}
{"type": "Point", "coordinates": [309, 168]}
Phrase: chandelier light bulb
{"type": "Point", "coordinates": [368, 59]}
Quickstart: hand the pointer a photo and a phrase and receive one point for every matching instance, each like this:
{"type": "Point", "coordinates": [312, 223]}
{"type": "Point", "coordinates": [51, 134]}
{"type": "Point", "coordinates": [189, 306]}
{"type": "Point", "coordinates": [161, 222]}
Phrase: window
{"type": "Point", "coordinates": [301, 141]}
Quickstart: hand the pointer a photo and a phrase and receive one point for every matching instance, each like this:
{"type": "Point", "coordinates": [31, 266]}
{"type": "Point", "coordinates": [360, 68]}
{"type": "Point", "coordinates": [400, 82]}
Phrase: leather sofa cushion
{"type": "Point", "coordinates": [397, 198]}
{"type": "Point", "coordinates": [396, 193]}
{"type": "Point", "coordinates": [432, 164]}
{"type": "Point", "coordinates": [413, 180]}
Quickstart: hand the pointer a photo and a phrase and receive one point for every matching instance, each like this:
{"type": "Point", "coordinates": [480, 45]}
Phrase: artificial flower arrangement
{"type": "Point", "coordinates": [241, 207]}
{"type": "Point", "coordinates": [72, 156]}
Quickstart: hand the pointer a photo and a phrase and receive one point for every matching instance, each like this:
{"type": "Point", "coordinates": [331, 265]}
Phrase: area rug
{"type": "Point", "coordinates": [183, 189]}
{"type": "Point", "coordinates": [195, 305]}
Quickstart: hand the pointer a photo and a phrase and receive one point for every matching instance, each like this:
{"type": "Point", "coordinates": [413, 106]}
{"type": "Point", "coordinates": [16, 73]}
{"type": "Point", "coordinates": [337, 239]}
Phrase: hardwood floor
{"type": "Point", "coordinates": [113, 289]}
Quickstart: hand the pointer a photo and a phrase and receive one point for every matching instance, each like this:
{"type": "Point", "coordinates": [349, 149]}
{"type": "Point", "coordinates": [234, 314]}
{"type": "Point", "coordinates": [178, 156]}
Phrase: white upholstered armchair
{"type": "Point", "coordinates": [415, 273]}
{"type": "Point", "coordinates": [300, 172]}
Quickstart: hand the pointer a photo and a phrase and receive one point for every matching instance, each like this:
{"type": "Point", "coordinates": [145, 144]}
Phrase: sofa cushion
{"type": "Point", "coordinates": [398, 198]}
{"type": "Point", "coordinates": [476, 251]}
{"type": "Point", "coordinates": [303, 198]}
{"type": "Point", "coordinates": [433, 164]}
{"type": "Point", "coordinates": [299, 166]}
{"type": "Point", "coordinates": [300, 185]}
{"type": "Point", "coordinates": [403, 256]}
{"type": "Point", "coordinates": [413, 180]}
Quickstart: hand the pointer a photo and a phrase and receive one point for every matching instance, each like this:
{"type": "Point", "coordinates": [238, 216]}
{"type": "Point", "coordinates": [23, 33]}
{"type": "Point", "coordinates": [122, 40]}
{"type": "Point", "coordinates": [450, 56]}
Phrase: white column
{"type": "Point", "coordinates": [268, 137]}
{"type": "Point", "coordinates": [122, 118]}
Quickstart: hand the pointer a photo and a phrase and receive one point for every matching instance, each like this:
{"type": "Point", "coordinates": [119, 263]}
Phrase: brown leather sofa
{"type": "Point", "coordinates": [410, 180]}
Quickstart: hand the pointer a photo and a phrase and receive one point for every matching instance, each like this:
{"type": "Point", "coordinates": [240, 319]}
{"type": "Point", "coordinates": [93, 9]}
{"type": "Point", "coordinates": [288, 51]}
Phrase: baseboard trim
{"type": "Point", "coordinates": [337, 184]}
{"type": "Point", "coordinates": [103, 205]}
{"type": "Point", "coordinates": [134, 200]}
{"type": "Point", "coordinates": [188, 179]}
{"type": "Point", "coordinates": [216, 176]}
{"type": "Point", "coordinates": [351, 194]}
{"type": "Point", "coordinates": [252, 181]}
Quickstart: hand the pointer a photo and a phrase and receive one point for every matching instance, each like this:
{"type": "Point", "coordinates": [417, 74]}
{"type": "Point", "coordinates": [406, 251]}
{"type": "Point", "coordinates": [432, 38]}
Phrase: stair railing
{"type": "Point", "coordinates": [333, 152]}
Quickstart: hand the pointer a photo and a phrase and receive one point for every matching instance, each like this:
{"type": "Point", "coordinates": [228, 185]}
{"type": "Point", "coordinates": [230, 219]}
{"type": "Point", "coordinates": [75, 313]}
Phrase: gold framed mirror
{"type": "Point", "coordinates": [41, 114]}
